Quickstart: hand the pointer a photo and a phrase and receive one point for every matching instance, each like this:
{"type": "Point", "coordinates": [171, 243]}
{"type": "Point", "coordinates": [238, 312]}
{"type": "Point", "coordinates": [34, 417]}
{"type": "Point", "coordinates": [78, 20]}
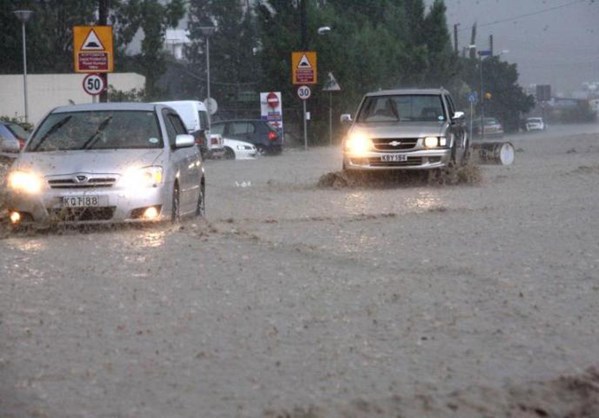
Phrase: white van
{"type": "Point", "coordinates": [195, 117]}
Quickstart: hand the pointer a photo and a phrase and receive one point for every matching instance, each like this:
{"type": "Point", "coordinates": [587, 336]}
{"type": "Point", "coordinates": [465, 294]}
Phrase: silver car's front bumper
{"type": "Point", "coordinates": [91, 205]}
{"type": "Point", "coordinates": [408, 160]}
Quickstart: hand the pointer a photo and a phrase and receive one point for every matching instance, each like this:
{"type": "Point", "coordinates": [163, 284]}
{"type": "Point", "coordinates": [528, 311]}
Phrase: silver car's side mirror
{"type": "Point", "coordinates": [458, 116]}
{"type": "Point", "coordinates": [345, 118]}
{"type": "Point", "coordinates": [184, 140]}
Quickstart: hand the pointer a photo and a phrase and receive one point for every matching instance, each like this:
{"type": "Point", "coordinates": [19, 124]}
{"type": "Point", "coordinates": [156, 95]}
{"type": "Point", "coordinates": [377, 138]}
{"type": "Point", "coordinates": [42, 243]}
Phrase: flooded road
{"type": "Point", "coordinates": [291, 296]}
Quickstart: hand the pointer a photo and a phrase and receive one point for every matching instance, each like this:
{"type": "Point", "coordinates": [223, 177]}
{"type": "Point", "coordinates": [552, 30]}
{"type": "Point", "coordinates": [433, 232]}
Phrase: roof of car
{"type": "Point", "coordinates": [407, 92]}
{"type": "Point", "coordinates": [239, 120]}
{"type": "Point", "coordinates": [106, 106]}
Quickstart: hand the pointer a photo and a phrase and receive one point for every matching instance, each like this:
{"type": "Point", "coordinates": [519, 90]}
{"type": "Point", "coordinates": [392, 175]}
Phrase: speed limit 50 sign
{"type": "Point", "coordinates": [93, 84]}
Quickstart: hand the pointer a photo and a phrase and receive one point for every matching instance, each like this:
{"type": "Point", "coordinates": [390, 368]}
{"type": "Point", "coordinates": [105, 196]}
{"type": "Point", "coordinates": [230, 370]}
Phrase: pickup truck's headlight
{"type": "Point", "coordinates": [25, 181]}
{"type": "Point", "coordinates": [135, 178]}
{"type": "Point", "coordinates": [358, 144]}
{"type": "Point", "coordinates": [435, 142]}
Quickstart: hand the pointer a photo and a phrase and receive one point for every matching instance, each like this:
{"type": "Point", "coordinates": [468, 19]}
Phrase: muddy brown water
{"type": "Point", "coordinates": [295, 299]}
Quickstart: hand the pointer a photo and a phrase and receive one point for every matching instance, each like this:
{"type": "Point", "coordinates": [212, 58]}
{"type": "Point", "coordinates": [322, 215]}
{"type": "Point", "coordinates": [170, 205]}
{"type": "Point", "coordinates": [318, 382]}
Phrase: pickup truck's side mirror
{"type": "Point", "coordinates": [459, 116]}
{"type": "Point", "coordinates": [346, 118]}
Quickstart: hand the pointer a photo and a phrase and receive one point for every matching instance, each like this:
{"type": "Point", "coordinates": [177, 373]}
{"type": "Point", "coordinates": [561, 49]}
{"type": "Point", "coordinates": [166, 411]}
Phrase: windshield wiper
{"type": "Point", "coordinates": [96, 136]}
{"type": "Point", "coordinates": [52, 129]}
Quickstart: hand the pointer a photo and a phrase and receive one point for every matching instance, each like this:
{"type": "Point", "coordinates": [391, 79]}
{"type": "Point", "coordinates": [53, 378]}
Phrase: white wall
{"type": "Point", "coordinates": [46, 91]}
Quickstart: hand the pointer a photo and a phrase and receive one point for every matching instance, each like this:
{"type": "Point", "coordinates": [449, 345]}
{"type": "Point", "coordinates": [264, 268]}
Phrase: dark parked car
{"type": "Point", "coordinates": [255, 131]}
{"type": "Point", "coordinates": [492, 128]}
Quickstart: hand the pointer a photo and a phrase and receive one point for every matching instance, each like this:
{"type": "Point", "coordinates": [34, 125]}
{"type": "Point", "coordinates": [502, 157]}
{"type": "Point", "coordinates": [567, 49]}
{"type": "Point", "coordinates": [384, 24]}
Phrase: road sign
{"type": "Point", "coordinates": [272, 100]}
{"type": "Point", "coordinates": [93, 84]}
{"type": "Point", "coordinates": [304, 92]}
{"type": "Point", "coordinates": [331, 84]}
{"type": "Point", "coordinates": [303, 67]}
{"type": "Point", "coordinates": [92, 49]}
{"type": "Point", "coordinates": [473, 97]}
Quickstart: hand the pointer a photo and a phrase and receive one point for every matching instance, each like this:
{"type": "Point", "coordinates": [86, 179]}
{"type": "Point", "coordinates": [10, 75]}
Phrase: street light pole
{"type": "Point", "coordinates": [482, 100]}
{"type": "Point", "coordinates": [208, 31]}
{"type": "Point", "coordinates": [24, 16]}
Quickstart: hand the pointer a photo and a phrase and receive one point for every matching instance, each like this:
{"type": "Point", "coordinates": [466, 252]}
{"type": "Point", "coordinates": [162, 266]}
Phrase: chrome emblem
{"type": "Point", "coordinates": [395, 143]}
{"type": "Point", "coordinates": [80, 179]}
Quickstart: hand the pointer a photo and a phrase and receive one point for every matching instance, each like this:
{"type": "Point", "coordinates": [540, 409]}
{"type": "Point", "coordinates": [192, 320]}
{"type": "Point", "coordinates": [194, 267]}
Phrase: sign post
{"type": "Point", "coordinates": [93, 53]}
{"type": "Point", "coordinates": [304, 93]}
{"type": "Point", "coordinates": [331, 85]}
{"type": "Point", "coordinates": [271, 109]}
{"type": "Point", "coordinates": [303, 73]}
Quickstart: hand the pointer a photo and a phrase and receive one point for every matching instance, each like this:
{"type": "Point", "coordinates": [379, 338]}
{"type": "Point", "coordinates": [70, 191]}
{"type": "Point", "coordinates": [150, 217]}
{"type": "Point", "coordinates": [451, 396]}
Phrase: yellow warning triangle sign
{"type": "Point", "coordinates": [304, 62]}
{"type": "Point", "coordinates": [92, 42]}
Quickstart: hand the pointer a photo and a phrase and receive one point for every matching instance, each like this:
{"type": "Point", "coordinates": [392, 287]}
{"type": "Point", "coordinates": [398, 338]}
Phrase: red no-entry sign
{"type": "Point", "coordinates": [272, 100]}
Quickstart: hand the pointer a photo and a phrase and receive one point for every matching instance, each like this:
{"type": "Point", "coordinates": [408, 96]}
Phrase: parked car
{"type": "Point", "coordinates": [195, 117]}
{"type": "Point", "coordinates": [239, 150]}
{"type": "Point", "coordinates": [535, 124]}
{"type": "Point", "coordinates": [104, 163]}
{"type": "Point", "coordinates": [412, 129]}
{"type": "Point", "coordinates": [492, 128]}
{"type": "Point", "coordinates": [12, 136]}
{"type": "Point", "coordinates": [255, 131]}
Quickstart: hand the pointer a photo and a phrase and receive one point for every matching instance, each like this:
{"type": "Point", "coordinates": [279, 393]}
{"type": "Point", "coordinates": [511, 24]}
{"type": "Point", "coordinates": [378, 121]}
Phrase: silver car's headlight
{"type": "Point", "coordinates": [435, 141]}
{"type": "Point", "coordinates": [143, 177]}
{"type": "Point", "coordinates": [25, 181]}
{"type": "Point", "coordinates": [358, 144]}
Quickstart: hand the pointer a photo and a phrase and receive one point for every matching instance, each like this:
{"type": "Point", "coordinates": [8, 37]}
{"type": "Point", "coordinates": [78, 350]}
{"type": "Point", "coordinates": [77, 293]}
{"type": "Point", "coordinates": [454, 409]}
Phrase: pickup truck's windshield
{"type": "Point", "coordinates": [97, 130]}
{"type": "Point", "coordinates": [401, 108]}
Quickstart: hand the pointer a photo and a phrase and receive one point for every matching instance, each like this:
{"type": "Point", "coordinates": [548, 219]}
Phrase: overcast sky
{"type": "Point", "coordinates": [552, 41]}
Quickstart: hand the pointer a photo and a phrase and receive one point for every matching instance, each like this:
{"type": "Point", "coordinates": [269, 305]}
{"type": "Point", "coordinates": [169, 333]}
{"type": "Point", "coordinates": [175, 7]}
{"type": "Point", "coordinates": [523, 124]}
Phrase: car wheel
{"type": "Point", "coordinates": [175, 208]}
{"type": "Point", "coordinates": [261, 149]}
{"type": "Point", "coordinates": [467, 153]}
{"type": "Point", "coordinates": [201, 206]}
{"type": "Point", "coordinates": [229, 154]}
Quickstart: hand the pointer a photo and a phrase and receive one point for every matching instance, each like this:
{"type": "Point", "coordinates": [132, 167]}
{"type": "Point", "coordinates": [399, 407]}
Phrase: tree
{"type": "Point", "coordinates": [153, 18]}
{"type": "Point", "coordinates": [507, 99]}
{"type": "Point", "coordinates": [232, 51]}
{"type": "Point", "coordinates": [50, 35]}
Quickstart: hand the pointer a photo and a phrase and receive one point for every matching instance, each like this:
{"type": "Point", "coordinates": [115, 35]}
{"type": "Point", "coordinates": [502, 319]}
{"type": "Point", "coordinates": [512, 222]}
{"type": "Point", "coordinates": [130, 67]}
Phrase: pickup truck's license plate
{"type": "Point", "coordinates": [394, 157]}
{"type": "Point", "coordinates": [84, 201]}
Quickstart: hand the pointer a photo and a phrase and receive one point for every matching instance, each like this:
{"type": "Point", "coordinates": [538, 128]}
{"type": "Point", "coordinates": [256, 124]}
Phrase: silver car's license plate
{"type": "Point", "coordinates": [83, 201]}
{"type": "Point", "coordinates": [394, 157]}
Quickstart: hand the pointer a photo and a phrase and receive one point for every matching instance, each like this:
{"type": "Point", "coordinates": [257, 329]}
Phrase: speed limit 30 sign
{"type": "Point", "coordinates": [304, 92]}
{"type": "Point", "coordinates": [93, 84]}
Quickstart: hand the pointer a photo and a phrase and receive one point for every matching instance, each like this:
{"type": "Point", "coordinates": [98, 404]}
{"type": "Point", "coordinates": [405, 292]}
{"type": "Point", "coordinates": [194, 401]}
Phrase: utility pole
{"type": "Point", "coordinates": [455, 37]}
{"type": "Point", "coordinates": [491, 44]}
{"type": "Point", "coordinates": [103, 7]}
{"type": "Point", "coordinates": [303, 25]}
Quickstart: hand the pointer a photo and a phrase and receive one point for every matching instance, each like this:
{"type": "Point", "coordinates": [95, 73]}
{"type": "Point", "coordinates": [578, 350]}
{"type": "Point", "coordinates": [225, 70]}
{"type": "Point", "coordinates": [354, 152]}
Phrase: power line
{"type": "Point", "coordinates": [514, 18]}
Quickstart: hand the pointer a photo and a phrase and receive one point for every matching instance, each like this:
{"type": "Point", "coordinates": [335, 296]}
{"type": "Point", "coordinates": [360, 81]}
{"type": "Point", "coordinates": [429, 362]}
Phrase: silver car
{"type": "Point", "coordinates": [406, 130]}
{"type": "Point", "coordinates": [107, 162]}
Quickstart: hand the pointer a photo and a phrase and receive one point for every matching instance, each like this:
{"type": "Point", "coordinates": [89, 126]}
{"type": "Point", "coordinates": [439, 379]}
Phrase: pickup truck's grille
{"type": "Point", "coordinates": [411, 161]}
{"type": "Point", "coordinates": [73, 183]}
{"type": "Point", "coordinates": [394, 144]}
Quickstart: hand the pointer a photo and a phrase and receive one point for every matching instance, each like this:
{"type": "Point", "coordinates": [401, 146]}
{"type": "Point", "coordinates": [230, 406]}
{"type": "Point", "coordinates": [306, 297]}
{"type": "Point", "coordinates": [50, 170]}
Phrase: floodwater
{"type": "Point", "coordinates": [292, 299]}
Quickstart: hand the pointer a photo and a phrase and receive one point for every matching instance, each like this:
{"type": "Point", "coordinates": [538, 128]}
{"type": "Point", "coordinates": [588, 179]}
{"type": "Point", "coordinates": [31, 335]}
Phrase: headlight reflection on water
{"type": "Point", "coordinates": [424, 201]}
{"type": "Point", "coordinates": [152, 239]}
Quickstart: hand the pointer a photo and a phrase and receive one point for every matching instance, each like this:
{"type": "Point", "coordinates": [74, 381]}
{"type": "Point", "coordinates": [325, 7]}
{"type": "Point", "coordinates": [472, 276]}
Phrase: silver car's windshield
{"type": "Point", "coordinates": [97, 130]}
{"type": "Point", "coordinates": [401, 108]}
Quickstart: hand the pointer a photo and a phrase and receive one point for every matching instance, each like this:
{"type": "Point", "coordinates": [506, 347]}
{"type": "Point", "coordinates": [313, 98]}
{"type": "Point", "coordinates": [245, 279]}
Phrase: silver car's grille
{"type": "Point", "coordinates": [82, 214]}
{"type": "Point", "coordinates": [394, 144]}
{"type": "Point", "coordinates": [81, 182]}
